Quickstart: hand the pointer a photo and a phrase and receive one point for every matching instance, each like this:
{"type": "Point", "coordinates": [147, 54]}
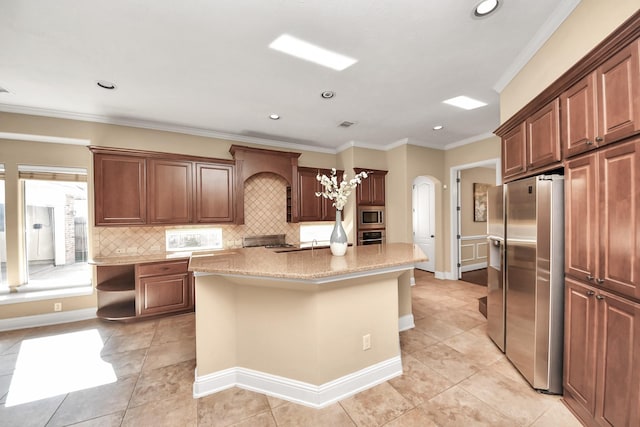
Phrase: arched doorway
{"type": "Point", "coordinates": [424, 222]}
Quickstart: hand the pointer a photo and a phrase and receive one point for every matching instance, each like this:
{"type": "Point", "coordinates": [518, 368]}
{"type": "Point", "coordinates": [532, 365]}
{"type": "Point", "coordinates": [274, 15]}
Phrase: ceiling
{"type": "Point", "coordinates": [204, 67]}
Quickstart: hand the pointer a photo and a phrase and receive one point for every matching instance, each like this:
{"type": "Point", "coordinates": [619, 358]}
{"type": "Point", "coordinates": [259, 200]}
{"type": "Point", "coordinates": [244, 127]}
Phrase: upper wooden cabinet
{"type": "Point", "coordinates": [534, 144]}
{"type": "Point", "coordinates": [312, 207]}
{"type": "Point", "coordinates": [602, 208]}
{"type": "Point", "coordinates": [543, 137]}
{"type": "Point", "coordinates": [136, 188]}
{"type": "Point", "coordinates": [372, 189]}
{"type": "Point", "coordinates": [603, 107]}
{"type": "Point", "coordinates": [170, 195]}
{"type": "Point", "coordinates": [215, 201]}
{"type": "Point", "coordinates": [119, 189]}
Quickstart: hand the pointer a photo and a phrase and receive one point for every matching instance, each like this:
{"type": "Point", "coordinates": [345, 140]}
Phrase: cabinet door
{"type": "Point", "coordinates": [310, 204]}
{"type": "Point", "coordinates": [164, 294]}
{"type": "Point", "coordinates": [364, 195]}
{"type": "Point", "coordinates": [377, 189]}
{"type": "Point", "coordinates": [619, 94]}
{"type": "Point", "coordinates": [543, 136]}
{"type": "Point", "coordinates": [170, 192]}
{"type": "Point", "coordinates": [580, 329]}
{"type": "Point", "coordinates": [581, 222]}
{"type": "Point", "coordinates": [579, 117]}
{"type": "Point", "coordinates": [619, 175]}
{"type": "Point", "coordinates": [120, 189]}
{"type": "Point", "coordinates": [618, 380]}
{"type": "Point", "coordinates": [514, 157]}
{"type": "Point", "coordinates": [215, 201]}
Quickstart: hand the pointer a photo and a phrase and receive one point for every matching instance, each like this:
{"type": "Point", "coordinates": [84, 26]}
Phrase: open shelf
{"type": "Point", "coordinates": [117, 284]}
{"type": "Point", "coordinates": [120, 311]}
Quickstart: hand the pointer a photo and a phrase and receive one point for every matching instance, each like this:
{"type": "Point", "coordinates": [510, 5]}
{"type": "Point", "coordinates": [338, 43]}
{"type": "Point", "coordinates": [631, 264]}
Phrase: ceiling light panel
{"type": "Point", "coordinates": [465, 102]}
{"type": "Point", "coordinates": [310, 52]}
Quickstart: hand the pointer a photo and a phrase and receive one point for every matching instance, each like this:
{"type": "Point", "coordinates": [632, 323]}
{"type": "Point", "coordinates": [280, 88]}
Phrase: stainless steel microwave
{"type": "Point", "coordinates": [370, 217]}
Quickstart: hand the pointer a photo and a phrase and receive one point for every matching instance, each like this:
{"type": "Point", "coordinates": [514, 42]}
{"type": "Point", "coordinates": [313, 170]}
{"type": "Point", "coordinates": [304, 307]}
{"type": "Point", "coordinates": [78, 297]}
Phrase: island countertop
{"type": "Point", "coordinates": [306, 264]}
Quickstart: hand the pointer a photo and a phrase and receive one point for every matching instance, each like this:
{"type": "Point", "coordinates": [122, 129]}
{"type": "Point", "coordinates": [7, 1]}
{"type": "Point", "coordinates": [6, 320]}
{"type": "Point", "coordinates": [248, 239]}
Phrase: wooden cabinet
{"type": "Point", "coordinates": [534, 144]}
{"type": "Point", "coordinates": [170, 191]}
{"type": "Point", "coordinates": [372, 189]}
{"type": "Point", "coordinates": [602, 339]}
{"type": "Point", "coordinates": [312, 207]}
{"type": "Point", "coordinates": [138, 188]}
{"type": "Point", "coordinates": [119, 189]}
{"type": "Point", "coordinates": [215, 200]}
{"type": "Point", "coordinates": [604, 106]}
{"type": "Point", "coordinates": [543, 137]}
{"type": "Point", "coordinates": [602, 208]}
{"type": "Point", "coordinates": [163, 287]}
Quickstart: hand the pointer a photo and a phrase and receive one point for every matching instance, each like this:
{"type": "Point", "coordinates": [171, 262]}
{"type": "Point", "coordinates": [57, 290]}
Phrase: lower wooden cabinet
{"type": "Point", "coordinates": [602, 365]}
{"type": "Point", "coordinates": [130, 291]}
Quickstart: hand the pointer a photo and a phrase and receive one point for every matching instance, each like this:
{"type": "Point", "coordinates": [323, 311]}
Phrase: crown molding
{"type": "Point", "coordinates": [469, 140]}
{"type": "Point", "coordinates": [562, 11]}
{"type": "Point", "coordinates": [44, 138]}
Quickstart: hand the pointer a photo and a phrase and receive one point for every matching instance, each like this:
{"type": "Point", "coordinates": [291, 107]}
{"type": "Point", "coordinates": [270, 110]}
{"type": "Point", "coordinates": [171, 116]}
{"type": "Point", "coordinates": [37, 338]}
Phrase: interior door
{"type": "Point", "coordinates": [423, 200]}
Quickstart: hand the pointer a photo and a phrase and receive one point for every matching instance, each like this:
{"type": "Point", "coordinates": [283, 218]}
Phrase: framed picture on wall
{"type": "Point", "coordinates": [480, 202]}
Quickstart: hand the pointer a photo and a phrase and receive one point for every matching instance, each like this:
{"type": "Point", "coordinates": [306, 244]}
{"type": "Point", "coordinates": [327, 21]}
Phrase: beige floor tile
{"type": "Point", "coordinates": [513, 399]}
{"type": "Point", "coordinates": [455, 408]}
{"type": "Point", "coordinates": [274, 402]}
{"type": "Point", "coordinates": [479, 349]}
{"type": "Point", "coordinates": [5, 383]}
{"type": "Point", "coordinates": [414, 418]}
{"type": "Point", "coordinates": [175, 411]}
{"type": "Point", "coordinates": [447, 362]}
{"type": "Point", "coordinates": [418, 383]}
{"type": "Point", "coordinates": [126, 363]}
{"type": "Point", "coordinates": [132, 328]}
{"type": "Point", "coordinates": [8, 363]}
{"type": "Point", "coordinates": [127, 342]}
{"type": "Point", "coordinates": [95, 402]}
{"type": "Point", "coordinates": [292, 415]}
{"type": "Point", "coordinates": [175, 328]}
{"type": "Point", "coordinates": [263, 419]}
{"type": "Point", "coordinates": [163, 383]}
{"type": "Point", "coordinates": [413, 340]}
{"type": "Point", "coordinates": [435, 328]}
{"type": "Point", "coordinates": [459, 319]}
{"type": "Point", "coordinates": [557, 415]}
{"type": "Point", "coordinates": [230, 407]}
{"type": "Point", "coordinates": [376, 406]}
{"type": "Point", "coordinates": [111, 420]}
{"type": "Point", "coordinates": [10, 341]}
{"type": "Point", "coordinates": [170, 353]}
{"type": "Point", "coordinates": [32, 414]}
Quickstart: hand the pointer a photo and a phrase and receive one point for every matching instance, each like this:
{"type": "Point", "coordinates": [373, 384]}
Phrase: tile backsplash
{"type": "Point", "coordinates": [265, 207]}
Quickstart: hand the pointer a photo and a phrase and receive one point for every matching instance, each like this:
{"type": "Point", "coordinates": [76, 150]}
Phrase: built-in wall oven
{"type": "Point", "coordinates": [371, 237]}
{"type": "Point", "coordinates": [370, 217]}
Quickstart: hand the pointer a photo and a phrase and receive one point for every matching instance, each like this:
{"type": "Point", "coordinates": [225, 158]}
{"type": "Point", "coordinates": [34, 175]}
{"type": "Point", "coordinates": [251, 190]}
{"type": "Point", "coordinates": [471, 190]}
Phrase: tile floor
{"type": "Point", "coordinates": [141, 374]}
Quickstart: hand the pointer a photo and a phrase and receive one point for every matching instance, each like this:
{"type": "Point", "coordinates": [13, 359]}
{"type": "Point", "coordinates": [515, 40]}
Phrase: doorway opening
{"type": "Point", "coordinates": [466, 249]}
{"type": "Point", "coordinates": [424, 223]}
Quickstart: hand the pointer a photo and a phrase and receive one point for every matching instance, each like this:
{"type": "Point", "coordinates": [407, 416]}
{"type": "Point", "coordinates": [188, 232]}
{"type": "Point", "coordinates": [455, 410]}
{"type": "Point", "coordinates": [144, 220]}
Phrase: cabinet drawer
{"type": "Point", "coordinates": [162, 268]}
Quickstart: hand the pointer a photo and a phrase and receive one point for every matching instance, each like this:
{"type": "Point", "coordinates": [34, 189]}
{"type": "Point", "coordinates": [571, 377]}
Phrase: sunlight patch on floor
{"type": "Point", "coordinates": [58, 364]}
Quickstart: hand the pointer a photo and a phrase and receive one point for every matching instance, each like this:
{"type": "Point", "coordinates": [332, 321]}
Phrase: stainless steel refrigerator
{"type": "Point", "coordinates": [495, 266]}
{"type": "Point", "coordinates": [534, 212]}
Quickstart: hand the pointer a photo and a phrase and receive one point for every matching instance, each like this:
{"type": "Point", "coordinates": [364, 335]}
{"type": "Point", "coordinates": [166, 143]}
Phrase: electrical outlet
{"type": "Point", "coordinates": [57, 306]}
{"type": "Point", "coordinates": [366, 342]}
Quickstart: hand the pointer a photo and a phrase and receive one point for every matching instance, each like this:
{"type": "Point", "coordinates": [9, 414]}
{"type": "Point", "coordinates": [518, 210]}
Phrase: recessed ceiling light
{"type": "Point", "coordinates": [327, 94]}
{"type": "Point", "coordinates": [3, 90]}
{"type": "Point", "coordinates": [485, 7]}
{"type": "Point", "coordinates": [465, 102]}
{"type": "Point", "coordinates": [438, 127]}
{"type": "Point", "coordinates": [105, 84]}
{"type": "Point", "coordinates": [274, 116]}
{"type": "Point", "coordinates": [310, 52]}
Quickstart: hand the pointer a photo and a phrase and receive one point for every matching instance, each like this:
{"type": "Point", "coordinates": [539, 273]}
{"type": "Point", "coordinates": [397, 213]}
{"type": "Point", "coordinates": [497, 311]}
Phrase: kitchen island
{"type": "Point", "coordinates": [301, 325]}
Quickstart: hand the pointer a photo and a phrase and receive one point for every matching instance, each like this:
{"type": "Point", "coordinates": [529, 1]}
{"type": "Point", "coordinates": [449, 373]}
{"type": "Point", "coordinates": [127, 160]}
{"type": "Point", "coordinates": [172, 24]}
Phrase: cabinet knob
{"type": "Point", "coordinates": [599, 297]}
{"type": "Point", "coordinates": [589, 277]}
{"type": "Point", "coordinates": [599, 139]}
{"type": "Point", "coordinates": [589, 142]}
{"type": "Point", "coordinates": [590, 293]}
{"type": "Point", "coordinates": [599, 281]}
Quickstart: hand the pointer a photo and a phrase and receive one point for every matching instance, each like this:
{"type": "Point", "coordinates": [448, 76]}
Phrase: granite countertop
{"type": "Point", "coordinates": [306, 264]}
{"type": "Point", "coordinates": [140, 258]}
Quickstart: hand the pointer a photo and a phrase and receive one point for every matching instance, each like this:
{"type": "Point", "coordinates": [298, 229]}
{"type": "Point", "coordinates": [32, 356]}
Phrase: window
{"type": "Point", "coordinates": [55, 227]}
{"type": "Point", "coordinates": [3, 240]}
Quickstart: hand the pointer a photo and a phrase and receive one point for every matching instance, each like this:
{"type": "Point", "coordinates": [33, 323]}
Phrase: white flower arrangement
{"type": "Point", "coordinates": [339, 192]}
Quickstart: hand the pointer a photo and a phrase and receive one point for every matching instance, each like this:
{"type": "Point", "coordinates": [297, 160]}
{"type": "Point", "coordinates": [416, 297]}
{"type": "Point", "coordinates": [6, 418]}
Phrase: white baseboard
{"type": "Point", "coordinates": [47, 319]}
{"type": "Point", "coordinates": [445, 275]}
{"type": "Point", "coordinates": [297, 391]}
{"type": "Point", "coordinates": [406, 322]}
{"type": "Point", "coordinates": [412, 282]}
{"type": "Point", "coordinates": [472, 267]}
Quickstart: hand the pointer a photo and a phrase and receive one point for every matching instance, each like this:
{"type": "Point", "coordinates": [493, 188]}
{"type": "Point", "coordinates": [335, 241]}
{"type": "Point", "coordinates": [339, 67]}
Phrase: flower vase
{"type": "Point", "coordinates": [338, 240]}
